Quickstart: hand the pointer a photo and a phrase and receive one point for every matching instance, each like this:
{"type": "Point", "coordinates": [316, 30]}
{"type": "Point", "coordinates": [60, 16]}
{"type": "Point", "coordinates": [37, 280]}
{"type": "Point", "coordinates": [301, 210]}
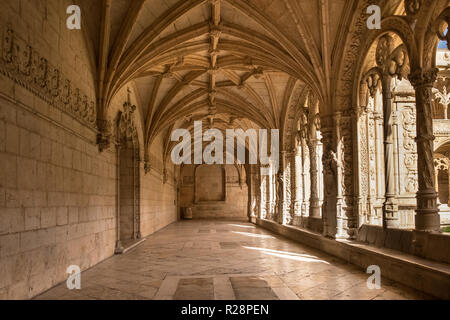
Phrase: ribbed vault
{"type": "Point", "coordinates": [245, 64]}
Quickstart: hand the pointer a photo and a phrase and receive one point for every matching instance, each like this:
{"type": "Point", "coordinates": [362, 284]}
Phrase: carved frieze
{"type": "Point", "coordinates": [25, 66]}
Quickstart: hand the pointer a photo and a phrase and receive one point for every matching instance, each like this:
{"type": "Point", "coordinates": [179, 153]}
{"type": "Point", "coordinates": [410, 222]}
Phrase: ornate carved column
{"type": "Point", "coordinates": [281, 183]}
{"type": "Point", "coordinates": [390, 206]}
{"type": "Point", "coordinates": [378, 118]}
{"type": "Point", "coordinates": [271, 200]}
{"type": "Point", "coordinates": [263, 190]}
{"type": "Point", "coordinates": [287, 183]}
{"type": "Point", "coordinates": [330, 184]}
{"type": "Point", "coordinates": [361, 161]}
{"type": "Point", "coordinates": [427, 214]}
{"type": "Point", "coordinates": [315, 205]}
{"type": "Point", "coordinates": [338, 162]}
{"type": "Point", "coordinates": [305, 175]}
{"type": "Point", "coordinates": [297, 183]}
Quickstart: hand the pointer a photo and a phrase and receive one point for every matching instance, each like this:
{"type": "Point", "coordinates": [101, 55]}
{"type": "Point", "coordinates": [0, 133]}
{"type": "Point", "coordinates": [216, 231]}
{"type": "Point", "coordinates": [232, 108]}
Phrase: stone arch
{"type": "Point", "coordinates": [433, 26]}
{"type": "Point", "coordinates": [387, 54]}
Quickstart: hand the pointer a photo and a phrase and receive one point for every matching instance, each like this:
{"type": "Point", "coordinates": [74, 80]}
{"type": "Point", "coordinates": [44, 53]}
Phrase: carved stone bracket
{"type": "Point", "coordinates": [104, 134]}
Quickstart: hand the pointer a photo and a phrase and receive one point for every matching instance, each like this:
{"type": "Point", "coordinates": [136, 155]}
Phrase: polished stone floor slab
{"type": "Point", "coordinates": [233, 260]}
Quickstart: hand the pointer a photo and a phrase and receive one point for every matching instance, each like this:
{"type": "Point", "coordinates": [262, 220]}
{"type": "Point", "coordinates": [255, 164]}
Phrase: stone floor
{"type": "Point", "coordinates": [225, 260]}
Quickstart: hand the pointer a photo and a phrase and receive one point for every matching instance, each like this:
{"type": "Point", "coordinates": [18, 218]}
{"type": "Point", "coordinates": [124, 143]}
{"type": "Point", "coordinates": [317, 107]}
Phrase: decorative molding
{"type": "Point", "coordinates": [21, 63]}
{"type": "Point", "coordinates": [412, 7]}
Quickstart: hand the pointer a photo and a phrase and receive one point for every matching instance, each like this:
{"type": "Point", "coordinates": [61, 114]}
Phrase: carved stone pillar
{"type": "Point", "coordinates": [329, 159]}
{"type": "Point", "coordinates": [281, 189]}
{"type": "Point", "coordinates": [378, 118]}
{"type": "Point", "coordinates": [340, 182]}
{"type": "Point", "coordinates": [314, 203]}
{"type": "Point", "coordinates": [390, 206]}
{"type": "Point", "coordinates": [263, 189]}
{"type": "Point", "coordinates": [427, 213]}
{"type": "Point", "coordinates": [305, 178]}
{"type": "Point", "coordinates": [361, 165]}
{"type": "Point", "coordinates": [271, 196]}
{"type": "Point", "coordinates": [297, 183]}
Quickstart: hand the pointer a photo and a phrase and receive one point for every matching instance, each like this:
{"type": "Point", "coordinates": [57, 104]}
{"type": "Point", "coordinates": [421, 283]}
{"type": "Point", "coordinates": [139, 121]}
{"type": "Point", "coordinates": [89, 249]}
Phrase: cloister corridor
{"type": "Point", "coordinates": [225, 260]}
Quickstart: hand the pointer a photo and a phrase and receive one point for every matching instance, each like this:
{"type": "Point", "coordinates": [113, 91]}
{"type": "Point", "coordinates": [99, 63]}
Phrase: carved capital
{"type": "Point", "coordinates": [423, 78]}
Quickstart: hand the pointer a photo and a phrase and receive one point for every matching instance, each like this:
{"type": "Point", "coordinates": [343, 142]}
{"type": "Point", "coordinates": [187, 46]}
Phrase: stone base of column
{"type": "Point", "coordinates": [427, 218]}
{"type": "Point", "coordinates": [119, 248]}
{"type": "Point", "coordinates": [315, 209]}
{"type": "Point", "coordinates": [390, 212]}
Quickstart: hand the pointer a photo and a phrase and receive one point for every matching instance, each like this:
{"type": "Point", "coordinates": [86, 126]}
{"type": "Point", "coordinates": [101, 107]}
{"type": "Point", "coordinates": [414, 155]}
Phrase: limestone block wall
{"type": "Point", "coordinates": [57, 196]}
{"type": "Point", "coordinates": [58, 193]}
{"type": "Point", "coordinates": [235, 204]}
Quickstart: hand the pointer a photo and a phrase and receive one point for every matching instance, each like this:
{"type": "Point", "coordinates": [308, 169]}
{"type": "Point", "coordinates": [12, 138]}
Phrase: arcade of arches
{"type": "Point", "coordinates": [86, 118]}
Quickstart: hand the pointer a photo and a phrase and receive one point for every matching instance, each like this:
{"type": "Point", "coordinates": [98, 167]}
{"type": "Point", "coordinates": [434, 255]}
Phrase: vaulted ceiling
{"type": "Point", "coordinates": [230, 63]}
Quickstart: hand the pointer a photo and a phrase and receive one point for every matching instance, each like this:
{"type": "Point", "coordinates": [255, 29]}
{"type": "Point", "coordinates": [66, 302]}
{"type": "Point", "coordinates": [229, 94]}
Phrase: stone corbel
{"type": "Point", "coordinates": [147, 164]}
{"type": "Point", "coordinates": [104, 134]}
{"type": "Point", "coordinates": [165, 176]}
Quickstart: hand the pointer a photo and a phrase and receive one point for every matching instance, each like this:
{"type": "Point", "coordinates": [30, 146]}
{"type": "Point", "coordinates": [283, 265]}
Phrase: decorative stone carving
{"type": "Point", "coordinates": [412, 7]}
{"type": "Point", "coordinates": [427, 218]}
{"type": "Point", "coordinates": [104, 134]}
{"type": "Point", "coordinates": [410, 149]}
{"type": "Point", "coordinates": [25, 66]}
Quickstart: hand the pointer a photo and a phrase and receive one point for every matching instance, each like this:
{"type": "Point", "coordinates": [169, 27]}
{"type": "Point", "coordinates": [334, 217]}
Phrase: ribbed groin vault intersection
{"type": "Point", "coordinates": [92, 94]}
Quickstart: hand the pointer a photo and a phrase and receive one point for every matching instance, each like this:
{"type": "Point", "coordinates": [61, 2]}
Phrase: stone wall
{"type": "Point", "coordinates": [193, 189]}
{"type": "Point", "coordinates": [58, 193]}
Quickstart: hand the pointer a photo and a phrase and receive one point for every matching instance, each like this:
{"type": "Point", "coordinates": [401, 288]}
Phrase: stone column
{"type": "Point", "coordinates": [379, 155]}
{"type": "Point", "coordinates": [329, 204]}
{"type": "Point", "coordinates": [270, 194]}
{"type": "Point", "coordinates": [287, 184]}
{"type": "Point", "coordinates": [314, 202]}
{"type": "Point", "coordinates": [427, 213]}
{"type": "Point", "coordinates": [338, 163]}
{"type": "Point", "coordinates": [281, 188]}
{"type": "Point", "coordinates": [297, 183]}
{"type": "Point", "coordinates": [263, 191]}
{"type": "Point", "coordinates": [436, 179]}
{"type": "Point", "coordinates": [313, 142]}
{"type": "Point", "coordinates": [390, 206]}
{"type": "Point", "coordinates": [305, 178]}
